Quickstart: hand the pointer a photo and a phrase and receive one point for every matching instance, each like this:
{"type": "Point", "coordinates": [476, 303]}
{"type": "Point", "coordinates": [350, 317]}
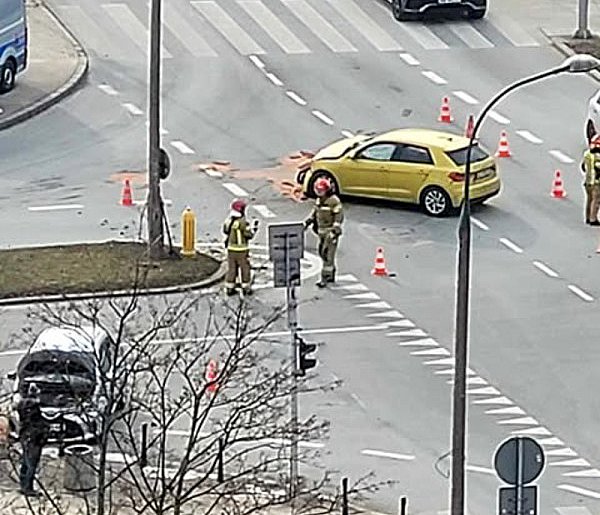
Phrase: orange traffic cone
{"type": "Point", "coordinates": [212, 370]}
{"type": "Point", "coordinates": [470, 126]}
{"type": "Point", "coordinates": [379, 268]}
{"type": "Point", "coordinates": [445, 115]}
{"type": "Point", "coordinates": [126, 196]}
{"type": "Point", "coordinates": [558, 190]}
{"type": "Point", "coordinates": [503, 149]}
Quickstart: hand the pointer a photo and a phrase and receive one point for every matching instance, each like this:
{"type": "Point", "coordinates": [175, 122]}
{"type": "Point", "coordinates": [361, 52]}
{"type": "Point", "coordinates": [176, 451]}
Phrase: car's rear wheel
{"type": "Point", "coordinates": [435, 201]}
{"type": "Point", "coordinates": [476, 15]}
{"type": "Point", "coordinates": [590, 130]}
{"type": "Point", "coordinates": [321, 174]}
{"type": "Point", "coordinates": [398, 10]}
{"type": "Point", "coordinates": [7, 76]}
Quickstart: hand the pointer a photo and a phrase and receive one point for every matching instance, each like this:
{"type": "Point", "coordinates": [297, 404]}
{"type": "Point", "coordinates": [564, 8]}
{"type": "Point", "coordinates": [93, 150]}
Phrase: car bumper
{"type": "Point", "coordinates": [420, 8]}
{"type": "Point", "coordinates": [479, 192]}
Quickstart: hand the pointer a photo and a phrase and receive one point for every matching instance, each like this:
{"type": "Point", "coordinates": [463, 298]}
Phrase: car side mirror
{"type": "Point", "coordinates": [11, 376]}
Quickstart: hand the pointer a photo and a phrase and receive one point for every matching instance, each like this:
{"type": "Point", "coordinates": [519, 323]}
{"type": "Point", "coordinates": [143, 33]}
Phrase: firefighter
{"type": "Point", "coordinates": [238, 234]}
{"type": "Point", "coordinates": [326, 221]}
{"type": "Point", "coordinates": [591, 183]}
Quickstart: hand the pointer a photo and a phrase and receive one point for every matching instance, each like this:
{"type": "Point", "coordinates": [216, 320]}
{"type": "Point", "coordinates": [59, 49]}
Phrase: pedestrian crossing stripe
{"type": "Point", "coordinates": [256, 27]}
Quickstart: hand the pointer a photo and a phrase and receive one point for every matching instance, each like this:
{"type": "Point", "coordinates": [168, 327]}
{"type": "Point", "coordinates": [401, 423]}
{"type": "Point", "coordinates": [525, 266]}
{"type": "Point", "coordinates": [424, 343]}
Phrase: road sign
{"type": "Point", "coordinates": [286, 275]}
{"type": "Point", "coordinates": [290, 235]}
{"type": "Point", "coordinates": [519, 449]}
{"type": "Point", "coordinates": [507, 501]}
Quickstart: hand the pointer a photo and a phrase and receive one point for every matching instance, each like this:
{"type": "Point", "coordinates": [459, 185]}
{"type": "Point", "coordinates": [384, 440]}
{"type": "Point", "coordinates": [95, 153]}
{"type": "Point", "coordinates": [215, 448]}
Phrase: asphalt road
{"type": "Point", "coordinates": [535, 288]}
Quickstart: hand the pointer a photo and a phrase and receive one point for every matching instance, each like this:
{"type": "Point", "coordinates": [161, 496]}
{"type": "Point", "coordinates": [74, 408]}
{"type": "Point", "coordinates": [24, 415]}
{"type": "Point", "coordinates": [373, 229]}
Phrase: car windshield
{"type": "Point", "coordinates": [66, 363]}
{"type": "Point", "coordinates": [460, 156]}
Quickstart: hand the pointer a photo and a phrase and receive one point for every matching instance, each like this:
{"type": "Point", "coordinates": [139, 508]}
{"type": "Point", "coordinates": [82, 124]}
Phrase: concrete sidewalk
{"type": "Point", "coordinates": [57, 65]}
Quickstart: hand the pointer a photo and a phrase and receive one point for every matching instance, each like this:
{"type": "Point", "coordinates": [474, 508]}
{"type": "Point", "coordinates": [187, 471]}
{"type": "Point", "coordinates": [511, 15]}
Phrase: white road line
{"type": "Point", "coordinates": [486, 390]}
{"type": "Point", "coordinates": [401, 323]}
{"type": "Point", "coordinates": [296, 98]}
{"type": "Point", "coordinates": [435, 351]}
{"type": "Point", "coordinates": [274, 79]}
{"type": "Point", "coordinates": [323, 117]}
{"type": "Point", "coordinates": [347, 277]}
{"type": "Point", "coordinates": [563, 158]}
{"type": "Point", "coordinates": [352, 287]}
{"type": "Point", "coordinates": [577, 462]}
{"type": "Point", "coordinates": [497, 117]}
{"type": "Point", "coordinates": [545, 268]}
{"type": "Point", "coordinates": [471, 37]}
{"type": "Point", "coordinates": [551, 441]}
{"type": "Point", "coordinates": [465, 97]}
{"type": "Point", "coordinates": [347, 133]}
{"type": "Point", "coordinates": [539, 431]}
{"type": "Point", "coordinates": [521, 421]}
{"type": "Point", "coordinates": [375, 305]}
{"type": "Point", "coordinates": [256, 61]}
{"type": "Point", "coordinates": [12, 352]}
{"type": "Point", "coordinates": [213, 173]}
{"type": "Point", "coordinates": [580, 293]}
{"type": "Point", "coordinates": [235, 189]}
{"type": "Point", "coordinates": [483, 470]}
{"type": "Point", "coordinates": [358, 401]}
{"type": "Point", "coordinates": [434, 77]}
{"type": "Point", "coordinates": [532, 138]}
{"type": "Point", "coordinates": [480, 224]}
{"type": "Point", "coordinates": [109, 90]}
{"type": "Point", "coordinates": [565, 452]}
{"type": "Point", "coordinates": [387, 314]}
{"type": "Point", "coordinates": [56, 207]}
{"type": "Point", "coordinates": [182, 147]}
{"type": "Point", "coordinates": [495, 400]}
{"type": "Point", "coordinates": [263, 211]}
{"type": "Point", "coordinates": [511, 245]}
{"type": "Point", "coordinates": [391, 455]}
{"type": "Point", "coordinates": [579, 490]}
{"type": "Point", "coordinates": [584, 473]}
{"type": "Point", "coordinates": [363, 296]}
{"type": "Point", "coordinates": [421, 342]}
{"type": "Point", "coordinates": [422, 35]}
{"type": "Point", "coordinates": [409, 59]}
{"type": "Point", "coordinates": [513, 410]}
{"type": "Point", "coordinates": [133, 109]}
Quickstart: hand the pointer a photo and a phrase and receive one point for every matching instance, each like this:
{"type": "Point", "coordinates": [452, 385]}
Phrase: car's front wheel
{"type": "Point", "coordinates": [321, 174]}
{"type": "Point", "coordinates": [7, 76]}
{"type": "Point", "coordinates": [476, 15]}
{"type": "Point", "coordinates": [435, 201]}
{"type": "Point", "coordinates": [590, 130]}
{"type": "Point", "coordinates": [398, 10]}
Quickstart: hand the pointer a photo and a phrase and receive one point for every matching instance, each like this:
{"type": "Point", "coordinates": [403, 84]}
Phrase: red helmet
{"type": "Point", "coordinates": [595, 141]}
{"type": "Point", "coordinates": [239, 205]}
{"type": "Point", "coordinates": [322, 185]}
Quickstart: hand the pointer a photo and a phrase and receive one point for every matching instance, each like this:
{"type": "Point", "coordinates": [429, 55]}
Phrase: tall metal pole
{"type": "Point", "coordinates": [583, 31]}
{"type": "Point", "coordinates": [461, 328]}
{"type": "Point", "coordinates": [154, 210]}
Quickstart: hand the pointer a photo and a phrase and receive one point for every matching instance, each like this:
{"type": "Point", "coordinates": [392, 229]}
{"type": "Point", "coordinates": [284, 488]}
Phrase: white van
{"type": "Point", "coordinates": [13, 42]}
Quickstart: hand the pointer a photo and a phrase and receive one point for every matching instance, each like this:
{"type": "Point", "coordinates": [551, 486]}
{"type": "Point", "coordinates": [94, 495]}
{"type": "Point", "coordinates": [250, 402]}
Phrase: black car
{"type": "Point", "coordinates": [410, 9]}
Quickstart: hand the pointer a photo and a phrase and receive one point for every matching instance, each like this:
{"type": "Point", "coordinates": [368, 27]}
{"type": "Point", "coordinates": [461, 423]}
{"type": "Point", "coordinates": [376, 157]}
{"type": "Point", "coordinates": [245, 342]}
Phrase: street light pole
{"type": "Point", "coordinates": [583, 31]}
{"type": "Point", "coordinates": [154, 201]}
{"type": "Point", "coordinates": [575, 64]}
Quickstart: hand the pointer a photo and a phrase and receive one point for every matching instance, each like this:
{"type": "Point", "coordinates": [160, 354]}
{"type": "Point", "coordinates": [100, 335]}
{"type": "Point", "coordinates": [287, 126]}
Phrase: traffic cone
{"type": "Point", "coordinates": [558, 190]}
{"type": "Point", "coordinates": [379, 268]}
{"type": "Point", "coordinates": [212, 370]}
{"type": "Point", "coordinates": [126, 196]}
{"type": "Point", "coordinates": [445, 115]}
{"type": "Point", "coordinates": [503, 150]}
{"type": "Point", "coordinates": [470, 126]}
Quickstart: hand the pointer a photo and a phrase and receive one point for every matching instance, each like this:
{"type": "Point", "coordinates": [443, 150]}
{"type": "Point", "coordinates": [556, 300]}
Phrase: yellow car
{"type": "Point", "coordinates": [418, 166]}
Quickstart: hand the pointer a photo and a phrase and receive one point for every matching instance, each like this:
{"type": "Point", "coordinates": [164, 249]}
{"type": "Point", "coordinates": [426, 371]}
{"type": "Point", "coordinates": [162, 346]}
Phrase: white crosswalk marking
{"type": "Point", "coordinates": [186, 33]}
{"type": "Point", "coordinates": [131, 26]}
{"type": "Point", "coordinates": [511, 30]}
{"type": "Point", "coordinates": [283, 36]}
{"type": "Point", "coordinates": [379, 38]}
{"type": "Point", "coordinates": [573, 510]}
{"type": "Point", "coordinates": [230, 30]}
{"type": "Point", "coordinates": [422, 35]}
{"type": "Point", "coordinates": [319, 26]}
{"type": "Point", "coordinates": [470, 36]}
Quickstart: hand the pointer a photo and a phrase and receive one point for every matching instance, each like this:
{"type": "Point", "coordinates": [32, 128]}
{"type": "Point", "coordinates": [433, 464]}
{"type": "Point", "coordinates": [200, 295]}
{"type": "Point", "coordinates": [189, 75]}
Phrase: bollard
{"type": "Point", "coordinates": [344, 496]}
{"type": "Point", "coordinates": [80, 469]}
{"type": "Point", "coordinates": [188, 230]}
{"type": "Point", "coordinates": [402, 502]}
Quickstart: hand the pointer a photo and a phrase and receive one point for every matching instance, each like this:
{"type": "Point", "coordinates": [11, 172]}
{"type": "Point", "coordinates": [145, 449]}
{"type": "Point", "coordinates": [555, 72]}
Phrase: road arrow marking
{"type": "Point", "coordinates": [578, 462]}
{"type": "Point", "coordinates": [523, 421]}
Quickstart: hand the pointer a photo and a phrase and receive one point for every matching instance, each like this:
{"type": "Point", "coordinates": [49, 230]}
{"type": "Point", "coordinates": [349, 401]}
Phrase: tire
{"type": "Point", "coordinates": [436, 202]}
{"type": "Point", "coordinates": [7, 76]}
{"type": "Point", "coordinates": [477, 15]}
{"type": "Point", "coordinates": [590, 130]}
{"type": "Point", "coordinates": [398, 11]}
{"type": "Point", "coordinates": [310, 190]}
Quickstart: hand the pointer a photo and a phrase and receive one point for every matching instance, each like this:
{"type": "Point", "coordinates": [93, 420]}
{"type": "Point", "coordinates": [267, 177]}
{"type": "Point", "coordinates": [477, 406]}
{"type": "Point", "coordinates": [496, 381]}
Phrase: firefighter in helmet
{"type": "Point", "coordinates": [591, 183]}
{"type": "Point", "coordinates": [326, 221]}
{"type": "Point", "coordinates": [238, 233]}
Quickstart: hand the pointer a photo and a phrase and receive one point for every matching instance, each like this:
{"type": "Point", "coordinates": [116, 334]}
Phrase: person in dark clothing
{"type": "Point", "coordinates": [32, 435]}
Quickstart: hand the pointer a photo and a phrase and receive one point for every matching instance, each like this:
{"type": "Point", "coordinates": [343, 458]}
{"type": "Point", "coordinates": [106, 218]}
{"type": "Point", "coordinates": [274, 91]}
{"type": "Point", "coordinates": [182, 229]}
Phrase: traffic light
{"type": "Point", "coordinates": [304, 361]}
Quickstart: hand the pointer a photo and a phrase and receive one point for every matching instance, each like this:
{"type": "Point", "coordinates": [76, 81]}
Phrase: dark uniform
{"type": "Point", "coordinates": [591, 183]}
{"type": "Point", "coordinates": [326, 219]}
{"type": "Point", "coordinates": [32, 435]}
{"type": "Point", "coordinates": [238, 235]}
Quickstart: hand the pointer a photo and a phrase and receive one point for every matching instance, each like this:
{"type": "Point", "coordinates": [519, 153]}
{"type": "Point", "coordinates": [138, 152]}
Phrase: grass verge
{"type": "Point", "coordinates": [95, 267]}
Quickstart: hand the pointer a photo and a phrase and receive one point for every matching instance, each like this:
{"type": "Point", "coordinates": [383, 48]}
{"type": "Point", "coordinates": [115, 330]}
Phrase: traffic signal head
{"type": "Point", "coordinates": [304, 360]}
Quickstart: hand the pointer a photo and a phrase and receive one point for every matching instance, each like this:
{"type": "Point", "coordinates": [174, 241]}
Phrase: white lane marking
{"type": "Point", "coordinates": [352, 287]}
{"type": "Point", "coordinates": [436, 351]}
{"type": "Point", "coordinates": [513, 410]}
{"type": "Point", "coordinates": [347, 133]}
{"type": "Point", "coordinates": [235, 189]}
{"type": "Point", "coordinates": [274, 79]}
{"type": "Point", "coordinates": [532, 138]}
{"type": "Point", "coordinates": [483, 470]}
{"type": "Point", "coordinates": [109, 90]}
{"type": "Point", "coordinates": [471, 37]}
{"type": "Point", "coordinates": [584, 473]}
{"type": "Point", "coordinates": [563, 158]}
{"type": "Point", "coordinates": [580, 293]}
{"type": "Point", "coordinates": [471, 380]}
{"type": "Point", "coordinates": [401, 323]}
{"type": "Point", "coordinates": [465, 97]}
{"type": "Point", "coordinates": [579, 490]}
{"type": "Point", "coordinates": [422, 342]}
{"type": "Point", "coordinates": [182, 147]}
{"type": "Point", "coordinates": [511, 30]}
{"type": "Point", "coordinates": [446, 372]}
{"type": "Point", "coordinates": [494, 400]}
{"type": "Point", "coordinates": [364, 296]}
{"type": "Point", "coordinates": [13, 352]}
{"type": "Point", "coordinates": [565, 452]}
{"type": "Point", "coordinates": [358, 401]}
{"type": "Point", "coordinates": [545, 268]}
{"type": "Point", "coordinates": [539, 431]}
{"type": "Point", "coordinates": [480, 224]}
{"type": "Point", "coordinates": [522, 421]}
{"type": "Point", "coordinates": [182, 27]}
{"type": "Point", "coordinates": [577, 462]}
{"type": "Point", "coordinates": [551, 441]}
{"type": "Point", "coordinates": [323, 117]}
{"type": "Point", "coordinates": [133, 109]}
{"type": "Point", "coordinates": [511, 245]}
{"type": "Point", "coordinates": [384, 454]}
{"type": "Point", "coordinates": [422, 35]}
{"type": "Point", "coordinates": [256, 61]}
{"type": "Point", "coordinates": [347, 277]}
{"type": "Point", "coordinates": [386, 314]}
{"type": "Point", "coordinates": [263, 211]}
{"type": "Point", "coordinates": [443, 362]}
{"type": "Point", "coordinates": [374, 305]}
{"type": "Point", "coordinates": [409, 59]}
{"type": "Point", "coordinates": [434, 77]}
{"type": "Point", "coordinates": [488, 390]}
{"type": "Point", "coordinates": [296, 98]}
{"type": "Point", "coordinates": [55, 207]}
{"type": "Point", "coordinates": [497, 117]}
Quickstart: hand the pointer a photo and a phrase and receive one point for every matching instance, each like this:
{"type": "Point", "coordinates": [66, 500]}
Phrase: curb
{"type": "Point", "coordinates": [559, 42]}
{"type": "Point", "coordinates": [66, 89]}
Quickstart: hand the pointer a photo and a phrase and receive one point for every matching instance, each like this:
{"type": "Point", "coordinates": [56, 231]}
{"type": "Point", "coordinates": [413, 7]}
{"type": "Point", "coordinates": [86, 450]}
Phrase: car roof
{"type": "Point", "coordinates": [446, 141]}
{"type": "Point", "coordinates": [69, 339]}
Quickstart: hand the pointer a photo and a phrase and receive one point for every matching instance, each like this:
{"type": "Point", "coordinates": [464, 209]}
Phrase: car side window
{"type": "Point", "coordinates": [378, 152]}
{"type": "Point", "coordinates": [412, 154]}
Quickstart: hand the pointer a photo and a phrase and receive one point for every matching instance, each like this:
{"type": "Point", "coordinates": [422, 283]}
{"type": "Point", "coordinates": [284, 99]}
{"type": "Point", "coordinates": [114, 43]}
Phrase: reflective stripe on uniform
{"type": "Point", "coordinates": [236, 243]}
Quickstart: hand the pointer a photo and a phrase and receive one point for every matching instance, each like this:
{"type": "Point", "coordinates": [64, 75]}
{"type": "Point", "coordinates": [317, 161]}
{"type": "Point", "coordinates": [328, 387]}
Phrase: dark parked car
{"type": "Point", "coordinates": [410, 9]}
